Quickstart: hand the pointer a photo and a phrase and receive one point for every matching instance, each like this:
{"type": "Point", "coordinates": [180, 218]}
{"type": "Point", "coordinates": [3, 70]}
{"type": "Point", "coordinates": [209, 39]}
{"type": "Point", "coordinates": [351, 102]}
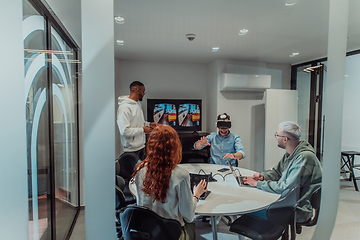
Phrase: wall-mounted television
{"type": "Point", "coordinates": [181, 114]}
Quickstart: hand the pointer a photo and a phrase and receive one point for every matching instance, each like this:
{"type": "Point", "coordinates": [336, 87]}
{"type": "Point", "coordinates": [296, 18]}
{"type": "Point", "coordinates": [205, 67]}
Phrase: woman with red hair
{"type": "Point", "coordinates": [162, 185]}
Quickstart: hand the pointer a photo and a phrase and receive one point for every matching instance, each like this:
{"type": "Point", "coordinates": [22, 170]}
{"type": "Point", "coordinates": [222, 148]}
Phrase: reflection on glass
{"type": "Point", "coordinates": [37, 124]}
{"type": "Point", "coordinates": [62, 58]}
{"type": "Point", "coordinates": [65, 133]}
{"type": "Point", "coordinates": [303, 88]}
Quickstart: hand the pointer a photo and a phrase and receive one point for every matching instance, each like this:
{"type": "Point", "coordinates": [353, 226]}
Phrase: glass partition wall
{"type": "Point", "coordinates": [308, 80]}
{"type": "Point", "coordinates": [51, 67]}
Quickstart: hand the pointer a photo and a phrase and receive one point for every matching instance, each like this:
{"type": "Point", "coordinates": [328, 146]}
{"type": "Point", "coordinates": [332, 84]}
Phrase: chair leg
{"type": "Point", "coordinates": [352, 174]}
{"type": "Point", "coordinates": [292, 231]}
{"type": "Point", "coordinates": [285, 235]}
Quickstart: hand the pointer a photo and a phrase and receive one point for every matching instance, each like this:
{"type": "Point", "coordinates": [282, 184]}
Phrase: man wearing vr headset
{"type": "Point", "coordinates": [224, 145]}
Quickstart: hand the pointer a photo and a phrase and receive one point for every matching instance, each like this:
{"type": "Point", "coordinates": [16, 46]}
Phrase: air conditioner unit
{"type": "Point", "coordinates": [242, 82]}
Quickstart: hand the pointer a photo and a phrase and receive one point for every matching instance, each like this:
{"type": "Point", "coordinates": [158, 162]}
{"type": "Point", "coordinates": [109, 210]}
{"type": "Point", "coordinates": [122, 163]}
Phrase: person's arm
{"type": "Point", "coordinates": [187, 201]}
{"type": "Point", "coordinates": [275, 173]}
{"type": "Point", "coordinates": [200, 144]}
{"type": "Point", "coordinates": [123, 122]}
{"type": "Point", "coordinates": [296, 172]}
{"type": "Point", "coordinates": [240, 152]}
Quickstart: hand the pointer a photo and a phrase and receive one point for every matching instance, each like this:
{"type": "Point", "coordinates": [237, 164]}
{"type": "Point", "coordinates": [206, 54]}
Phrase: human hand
{"type": "Point", "coordinates": [203, 141]}
{"type": "Point", "coordinates": [200, 188]}
{"type": "Point", "coordinates": [153, 124]}
{"type": "Point", "coordinates": [147, 129]}
{"type": "Point", "coordinates": [229, 155]}
{"type": "Point", "coordinates": [258, 177]}
{"type": "Point", "coordinates": [250, 181]}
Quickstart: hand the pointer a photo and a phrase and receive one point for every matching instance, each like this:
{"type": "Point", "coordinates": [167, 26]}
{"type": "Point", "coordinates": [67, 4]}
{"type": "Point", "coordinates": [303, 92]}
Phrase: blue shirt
{"type": "Point", "coordinates": [220, 146]}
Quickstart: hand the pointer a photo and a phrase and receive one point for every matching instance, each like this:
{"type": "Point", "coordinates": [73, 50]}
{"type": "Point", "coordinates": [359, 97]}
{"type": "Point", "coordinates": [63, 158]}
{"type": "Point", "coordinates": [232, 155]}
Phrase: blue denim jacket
{"type": "Point", "coordinates": [220, 146]}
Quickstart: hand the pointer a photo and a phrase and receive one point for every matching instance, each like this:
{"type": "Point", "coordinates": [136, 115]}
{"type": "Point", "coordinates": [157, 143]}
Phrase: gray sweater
{"type": "Point", "coordinates": [301, 167]}
{"type": "Point", "coordinates": [179, 204]}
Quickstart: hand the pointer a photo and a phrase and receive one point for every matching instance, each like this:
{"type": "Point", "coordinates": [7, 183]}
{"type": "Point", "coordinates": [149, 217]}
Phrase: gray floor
{"type": "Point", "coordinates": [347, 224]}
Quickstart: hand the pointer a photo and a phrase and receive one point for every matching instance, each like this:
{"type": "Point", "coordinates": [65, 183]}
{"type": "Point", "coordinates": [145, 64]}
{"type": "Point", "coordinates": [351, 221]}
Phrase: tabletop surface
{"type": "Point", "coordinates": [227, 197]}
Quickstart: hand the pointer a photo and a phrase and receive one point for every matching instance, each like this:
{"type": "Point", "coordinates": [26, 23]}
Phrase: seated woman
{"type": "Point", "coordinates": [162, 185]}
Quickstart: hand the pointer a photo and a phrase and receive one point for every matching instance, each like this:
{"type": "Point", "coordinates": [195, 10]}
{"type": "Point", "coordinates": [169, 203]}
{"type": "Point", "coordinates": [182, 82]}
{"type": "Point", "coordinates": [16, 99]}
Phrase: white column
{"type": "Point", "coordinates": [98, 117]}
{"type": "Point", "coordinates": [333, 110]}
{"type": "Point", "coordinates": [13, 171]}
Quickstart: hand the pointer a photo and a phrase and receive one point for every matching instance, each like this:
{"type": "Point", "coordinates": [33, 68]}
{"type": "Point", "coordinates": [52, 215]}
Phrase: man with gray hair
{"type": "Point", "coordinates": [298, 166]}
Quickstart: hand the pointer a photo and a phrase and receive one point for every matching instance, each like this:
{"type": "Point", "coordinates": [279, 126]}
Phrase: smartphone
{"type": "Point", "coordinates": [223, 169]}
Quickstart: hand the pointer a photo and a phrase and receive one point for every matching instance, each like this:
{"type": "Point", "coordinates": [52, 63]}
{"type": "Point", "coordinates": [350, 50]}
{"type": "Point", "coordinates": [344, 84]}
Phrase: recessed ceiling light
{"type": "Point", "coordinates": [119, 20]}
{"type": "Point", "coordinates": [243, 31]}
{"type": "Point", "coordinates": [120, 42]}
{"type": "Point", "coordinates": [289, 4]}
{"type": "Point", "coordinates": [294, 54]}
{"type": "Point", "coordinates": [215, 49]}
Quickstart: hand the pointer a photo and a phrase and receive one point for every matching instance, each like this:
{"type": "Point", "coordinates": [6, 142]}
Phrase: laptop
{"type": "Point", "coordinates": [237, 175]}
{"type": "Point", "coordinates": [195, 179]}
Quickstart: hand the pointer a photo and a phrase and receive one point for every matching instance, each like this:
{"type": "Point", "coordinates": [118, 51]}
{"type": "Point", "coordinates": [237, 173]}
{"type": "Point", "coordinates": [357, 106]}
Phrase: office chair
{"type": "Point", "coordinates": [280, 215]}
{"type": "Point", "coordinates": [315, 203]}
{"type": "Point", "coordinates": [142, 223]}
{"type": "Point", "coordinates": [121, 199]}
{"type": "Point", "coordinates": [127, 162]}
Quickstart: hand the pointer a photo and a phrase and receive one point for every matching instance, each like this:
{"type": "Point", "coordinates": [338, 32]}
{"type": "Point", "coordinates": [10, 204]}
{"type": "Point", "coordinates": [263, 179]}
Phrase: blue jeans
{"type": "Point", "coordinates": [261, 213]}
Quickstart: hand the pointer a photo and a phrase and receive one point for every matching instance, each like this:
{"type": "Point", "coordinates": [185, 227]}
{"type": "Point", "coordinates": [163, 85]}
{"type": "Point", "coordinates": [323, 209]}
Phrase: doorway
{"type": "Point", "coordinates": [308, 79]}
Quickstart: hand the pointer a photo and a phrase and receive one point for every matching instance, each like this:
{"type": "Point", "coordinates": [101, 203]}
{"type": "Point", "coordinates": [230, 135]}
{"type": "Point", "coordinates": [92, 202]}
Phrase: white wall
{"type": "Point", "coordinates": [161, 80]}
{"type": "Point", "coordinates": [14, 218]}
{"type": "Point", "coordinates": [351, 113]}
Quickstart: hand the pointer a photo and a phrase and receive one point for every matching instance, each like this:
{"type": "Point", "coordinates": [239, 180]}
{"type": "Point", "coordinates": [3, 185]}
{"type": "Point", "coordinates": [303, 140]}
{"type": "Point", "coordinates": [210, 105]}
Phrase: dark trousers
{"type": "Point", "coordinates": [140, 153]}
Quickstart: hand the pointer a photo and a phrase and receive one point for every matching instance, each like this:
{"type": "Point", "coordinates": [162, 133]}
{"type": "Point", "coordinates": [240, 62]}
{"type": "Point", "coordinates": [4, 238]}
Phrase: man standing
{"type": "Point", "coordinates": [298, 166]}
{"type": "Point", "coordinates": [131, 122]}
{"type": "Point", "coordinates": [223, 145]}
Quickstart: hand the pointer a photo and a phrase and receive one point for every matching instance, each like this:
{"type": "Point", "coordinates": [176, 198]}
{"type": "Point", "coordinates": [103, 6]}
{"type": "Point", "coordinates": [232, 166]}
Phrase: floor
{"type": "Point", "coordinates": [347, 224]}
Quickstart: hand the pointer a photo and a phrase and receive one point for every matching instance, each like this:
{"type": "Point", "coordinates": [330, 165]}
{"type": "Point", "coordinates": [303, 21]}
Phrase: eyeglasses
{"type": "Point", "coordinates": [277, 135]}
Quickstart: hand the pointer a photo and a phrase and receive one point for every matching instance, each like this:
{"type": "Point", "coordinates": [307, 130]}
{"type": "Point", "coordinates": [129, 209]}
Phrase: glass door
{"type": "Point", "coordinates": [51, 100]}
{"type": "Point", "coordinates": [37, 123]}
{"type": "Point", "coordinates": [309, 83]}
{"type": "Point", "coordinates": [64, 94]}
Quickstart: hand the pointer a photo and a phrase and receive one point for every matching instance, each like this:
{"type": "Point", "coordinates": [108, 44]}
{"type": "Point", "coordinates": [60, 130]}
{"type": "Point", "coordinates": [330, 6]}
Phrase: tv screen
{"type": "Point", "coordinates": [181, 114]}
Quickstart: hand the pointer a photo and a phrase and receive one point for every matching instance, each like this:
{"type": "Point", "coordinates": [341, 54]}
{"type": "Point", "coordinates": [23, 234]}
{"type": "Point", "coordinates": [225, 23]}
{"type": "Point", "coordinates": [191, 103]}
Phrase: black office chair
{"type": "Point", "coordinates": [280, 215]}
{"type": "Point", "coordinates": [315, 203]}
{"type": "Point", "coordinates": [142, 223]}
{"type": "Point", "coordinates": [121, 199]}
{"type": "Point", "coordinates": [127, 162]}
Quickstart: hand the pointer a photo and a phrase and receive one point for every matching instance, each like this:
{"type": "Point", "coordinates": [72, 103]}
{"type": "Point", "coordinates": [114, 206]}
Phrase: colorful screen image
{"type": "Point", "coordinates": [189, 115]}
{"type": "Point", "coordinates": [165, 113]}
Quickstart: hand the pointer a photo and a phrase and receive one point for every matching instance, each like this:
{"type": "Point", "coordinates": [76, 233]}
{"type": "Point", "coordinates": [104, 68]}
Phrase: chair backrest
{"type": "Point", "coordinates": [119, 195]}
{"type": "Point", "coordinates": [315, 203]}
{"type": "Point", "coordinates": [142, 223]}
{"type": "Point", "coordinates": [127, 162]}
{"type": "Point", "coordinates": [282, 211]}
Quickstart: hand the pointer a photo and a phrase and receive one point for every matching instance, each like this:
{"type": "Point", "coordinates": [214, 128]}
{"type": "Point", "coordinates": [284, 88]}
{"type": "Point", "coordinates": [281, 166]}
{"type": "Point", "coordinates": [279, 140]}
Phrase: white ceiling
{"type": "Point", "coordinates": [154, 30]}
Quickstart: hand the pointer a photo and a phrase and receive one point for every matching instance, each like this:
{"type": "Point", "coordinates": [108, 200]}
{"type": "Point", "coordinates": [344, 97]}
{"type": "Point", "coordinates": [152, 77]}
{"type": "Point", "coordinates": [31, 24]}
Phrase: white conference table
{"type": "Point", "coordinates": [227, 197]}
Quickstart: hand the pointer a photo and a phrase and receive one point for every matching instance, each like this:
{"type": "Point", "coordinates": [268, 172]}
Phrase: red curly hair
{"type": "Point", "coordinates": [163, 155]}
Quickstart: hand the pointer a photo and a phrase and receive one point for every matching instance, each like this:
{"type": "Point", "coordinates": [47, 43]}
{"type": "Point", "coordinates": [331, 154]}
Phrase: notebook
{"type": "Point", "coordinates": [195, 179]}
{"type": "Point", "coordinates": [237, 175]}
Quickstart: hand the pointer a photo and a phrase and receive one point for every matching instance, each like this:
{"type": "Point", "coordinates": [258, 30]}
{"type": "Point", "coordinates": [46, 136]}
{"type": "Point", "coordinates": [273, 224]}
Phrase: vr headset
{"type": "Point", "coordinates": [223, 124]}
